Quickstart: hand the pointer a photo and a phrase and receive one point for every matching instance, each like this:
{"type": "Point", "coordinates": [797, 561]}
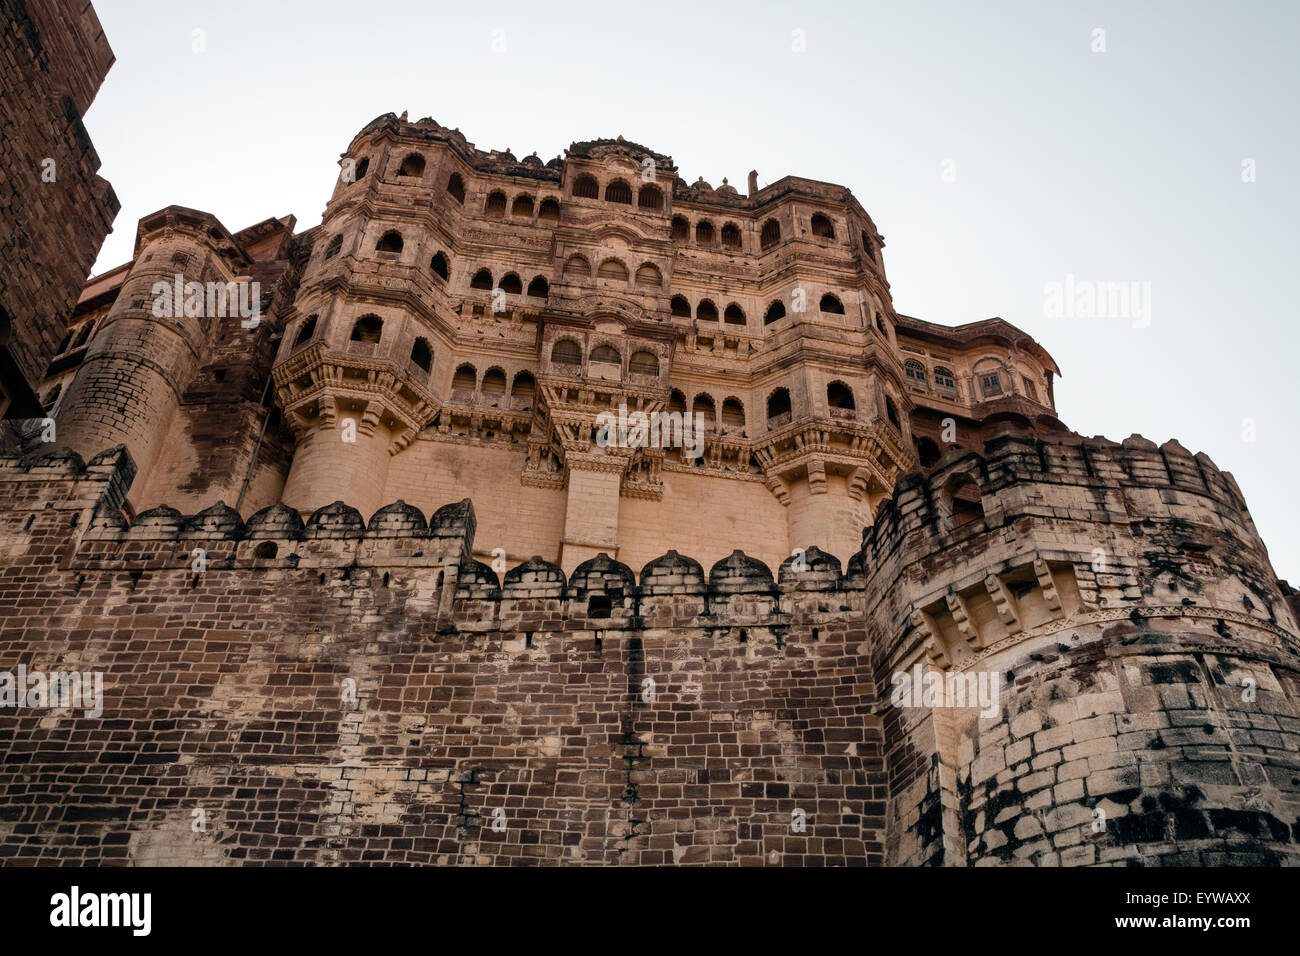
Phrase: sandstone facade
{"type": "Point", "coordinates": [366, 587]}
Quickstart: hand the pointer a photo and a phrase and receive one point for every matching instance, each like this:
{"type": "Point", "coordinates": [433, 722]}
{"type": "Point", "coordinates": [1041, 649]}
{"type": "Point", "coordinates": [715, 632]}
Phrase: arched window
{"type": "Point", "coordinates": [914, 370]}
{"type": "Point", "coordinates": [680, 307]}
{"type": "Point", "coordinates": [868, 248]}
{"type": "Point", "coordinates": [619, 192]}
{"type": "Point", "coordinates": [83, 334]}
{"type": "Point", "coordinates": [362, 168]}
{"type": "Point", "coordinates": [413, 165]}
{"type": "Point", "coordinates": [456, 187]}
{"type": "Point", "coordinates": [511, 284]}
{"type": "Point", "coordinates": [465, 379]}
{"type": "Point", "coordinates": [577, 267]}
{"type": "Point", "coordinates": [733, 415]}
{"type": "Point", "coordinates": [495, 207]}
{"type": "Point", "coordinates": [703, 407]}
{"type": "Point", "coordinates": [649, 275]}
{"type": "Point", "coordinates": [832, 305]}
{"type": "Point", "coordinates": [944, 378]}
{"type": "Point", "coordinates": [704, 233]}
{"type": "Point", "coordinates": [771, 234]}
{"type": "Point", "coordinates": [566, 352]}
{"type": "Point", "coordinates": [368, 328]}
{"type": "Point", "coordinates": [494, 386]}
{"type": "Point", "coordinates": [605, 355]}
{"type": "Point", "coordinates": [681, 228]}
{"type": "Point", "coordinates": [962, 497]}
{"type": "Point", "coordinates": [778, 405]}
{"type": "Point", "coordinates": [775, 312]}
{"type": "Point", "coordinates": [439, 265]}
{"type": "Point", "coordinates": [586, 187]}
{"type": "Point", "coordinates": [840, 396]}
{"type": "Point", "coordinates": [334, 248]}
{"type": "Point", "coordinates": [522, 207]}
{"type": "Point", "coordinates": [63, 346]}
{"type": "Point", "coordinates": [522, 391]}
{"type": "Point", "coordinates": [731, 236]}
{"type": "Point", "coordinates": [482, 280]}
{"type": "Point", "coordinates": [706, 311]}
{"type": "Point", "coordinates": [643, 363]}
{"type": "Point", "coordinates": [549, 211]}
{"type": "Point", "coordinates": [306, 332]}
{"type": "Point", "coordinates": [734, 315]}
{"type": "Point", "coordinates": [676, 403]}
{"type": "Point", "coordinates": [891, 412]}
{"type": "Point", "coordinates": [821, 226]}
{"type": "Point", "coordinates": [391, 242]}
{"type": "Point", "coordinates": [422, 355]}
{"type": "Point", "coordinates": [539, 288]}
{"type": "Point", "coordinates": [650, 198]}
{"type": "Point", "coordinates": [613, 270]}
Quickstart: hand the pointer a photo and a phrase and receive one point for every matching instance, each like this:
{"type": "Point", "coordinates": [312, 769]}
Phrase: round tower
{"type": "Point", "coordinates": [155, 337]}
{"type": "Point", "coordinates": [363, 345]}
{"type": "Point", "coordinates": [1087, 660]}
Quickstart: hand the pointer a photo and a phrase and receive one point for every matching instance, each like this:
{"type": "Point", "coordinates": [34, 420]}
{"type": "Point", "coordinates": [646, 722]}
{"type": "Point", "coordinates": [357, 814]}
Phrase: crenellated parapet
{"type": "Point", "coordinates": [1090, 525]}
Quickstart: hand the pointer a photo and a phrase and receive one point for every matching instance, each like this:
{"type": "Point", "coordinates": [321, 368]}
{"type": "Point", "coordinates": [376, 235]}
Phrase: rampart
{"type": "Point", "coordinates": [339, 692]}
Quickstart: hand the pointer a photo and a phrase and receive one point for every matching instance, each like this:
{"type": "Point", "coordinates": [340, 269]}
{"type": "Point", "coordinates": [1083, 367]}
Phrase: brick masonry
{"type": "Point", "coordinates": [54, 209]}
{"type": "Point", "coordinates": [344, 692]}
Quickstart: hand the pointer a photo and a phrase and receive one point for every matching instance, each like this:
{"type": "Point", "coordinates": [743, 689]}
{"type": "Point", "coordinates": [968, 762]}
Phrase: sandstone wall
{"type": "Point", "coordinates": [1147, 659]}
{"type": "Point", "coordinates": [224, 692]}
{"type": "Point", "coordinates": [348, 691]}
{"type": "Point", "coordinates": [54, 209]}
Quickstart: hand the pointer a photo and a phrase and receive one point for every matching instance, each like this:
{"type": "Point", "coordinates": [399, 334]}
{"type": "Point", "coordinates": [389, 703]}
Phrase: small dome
{"type": "Point", "coordinates": [533, 161]}
{"type": "Point", "coordinates": [726, 189]}
{"type": "Point", "coordinates": [701, 184]}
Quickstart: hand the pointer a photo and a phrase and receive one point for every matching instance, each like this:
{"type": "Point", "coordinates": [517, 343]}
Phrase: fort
{"type": "Point", "coordinates": [275, 544]}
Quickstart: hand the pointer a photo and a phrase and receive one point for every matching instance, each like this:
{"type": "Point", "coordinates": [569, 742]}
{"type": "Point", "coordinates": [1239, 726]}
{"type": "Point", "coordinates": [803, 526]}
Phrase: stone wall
{"type": "Point", "coordinates": [350, 692]}
{"type": "Point", "coordinates": [54, 209]}
{"type": "Point", "coordinates": [493, 722]}
{"type": "Point", "coordinates": [1146, 655]}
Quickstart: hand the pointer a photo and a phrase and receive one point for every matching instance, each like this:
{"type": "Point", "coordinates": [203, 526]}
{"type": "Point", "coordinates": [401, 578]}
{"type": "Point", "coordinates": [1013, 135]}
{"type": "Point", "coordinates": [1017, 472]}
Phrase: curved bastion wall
{"type": "Point", "coordinates": [1120, 602]}
{"type": "Point", "coordinates": [341, 691]}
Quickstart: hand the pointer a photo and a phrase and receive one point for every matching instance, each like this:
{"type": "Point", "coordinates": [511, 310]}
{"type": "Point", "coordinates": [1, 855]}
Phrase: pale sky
{"type": "Point", "coordinates": [1119, 166]}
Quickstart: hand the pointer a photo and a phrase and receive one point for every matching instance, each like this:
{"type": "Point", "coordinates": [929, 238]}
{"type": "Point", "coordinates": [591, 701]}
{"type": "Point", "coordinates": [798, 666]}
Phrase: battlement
{"type": "Point", "coordinates": [976, 524]}
{"type": "Point", "coordinates": [601, 593]}
{"type": "Point", "coordinates": [989, 546]}
{"type": "Point", "coordinates": [1118, 471]}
